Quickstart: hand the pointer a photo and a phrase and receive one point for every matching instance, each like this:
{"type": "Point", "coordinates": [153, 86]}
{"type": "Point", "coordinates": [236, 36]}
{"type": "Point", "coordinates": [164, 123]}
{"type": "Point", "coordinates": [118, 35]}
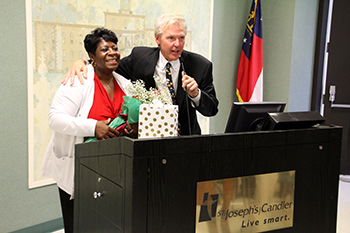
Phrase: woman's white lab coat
{"type": "Point", "coordinates": [68, 118]}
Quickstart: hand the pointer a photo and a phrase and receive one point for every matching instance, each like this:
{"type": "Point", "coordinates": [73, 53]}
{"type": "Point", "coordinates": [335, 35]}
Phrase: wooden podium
{"type": "Point", "coordinates": [149, 185]}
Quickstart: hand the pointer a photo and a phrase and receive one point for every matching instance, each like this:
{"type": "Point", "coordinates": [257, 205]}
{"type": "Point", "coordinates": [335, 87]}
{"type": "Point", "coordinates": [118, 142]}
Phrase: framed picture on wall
{"type": "Point", "coordinates": [55, 33]}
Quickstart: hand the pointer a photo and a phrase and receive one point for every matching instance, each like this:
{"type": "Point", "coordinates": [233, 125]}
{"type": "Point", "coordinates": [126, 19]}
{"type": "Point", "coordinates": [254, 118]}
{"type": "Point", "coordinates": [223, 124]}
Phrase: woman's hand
{"type": "Point", "coordinates": [131, 130]}
{"type": "Point", "coordinates": [103, 131]}
{"type": "Point", "coordinates": [75, 69]}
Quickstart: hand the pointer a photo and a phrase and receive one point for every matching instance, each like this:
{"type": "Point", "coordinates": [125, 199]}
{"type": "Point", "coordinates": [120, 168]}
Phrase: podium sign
{"type": "Point", "coordinates": [257, 203]}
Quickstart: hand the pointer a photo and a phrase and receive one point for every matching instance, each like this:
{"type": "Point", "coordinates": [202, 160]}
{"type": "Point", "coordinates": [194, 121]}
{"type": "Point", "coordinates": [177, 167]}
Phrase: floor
{"type": "Point", "coordinates": [343, 224]}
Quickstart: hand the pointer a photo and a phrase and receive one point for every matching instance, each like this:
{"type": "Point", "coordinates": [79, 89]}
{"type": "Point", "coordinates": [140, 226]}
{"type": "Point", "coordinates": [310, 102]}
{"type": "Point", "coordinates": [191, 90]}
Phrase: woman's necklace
{"type": "Point", "coordinates": [107, 85]}
{"type": "Point", "coordinates": [109, 88]}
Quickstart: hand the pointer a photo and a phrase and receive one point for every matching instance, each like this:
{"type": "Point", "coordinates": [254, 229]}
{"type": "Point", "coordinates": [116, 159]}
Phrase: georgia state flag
{"type": "Point", "coordinates": [250, 69]}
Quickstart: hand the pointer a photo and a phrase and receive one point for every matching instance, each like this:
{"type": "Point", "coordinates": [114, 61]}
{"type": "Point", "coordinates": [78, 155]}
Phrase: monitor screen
{"type": "Point", "coordinates": [249, 116]}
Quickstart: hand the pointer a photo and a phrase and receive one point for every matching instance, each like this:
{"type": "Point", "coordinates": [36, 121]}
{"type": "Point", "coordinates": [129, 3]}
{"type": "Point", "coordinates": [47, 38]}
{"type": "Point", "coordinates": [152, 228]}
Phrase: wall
{"type": "Point", "coordinates": [305, 25]}
{"type": "Point", "coordinates": [228, 29]}
{"type": "Point", "coordinates": [20, 207]}
{"type": "Point", "coordinates": [289, 31]}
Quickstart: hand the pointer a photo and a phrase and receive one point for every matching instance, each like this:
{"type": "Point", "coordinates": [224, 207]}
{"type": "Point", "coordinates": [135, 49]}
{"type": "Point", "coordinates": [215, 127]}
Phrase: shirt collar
{"type": "Point", "coordinates": [162, 62]}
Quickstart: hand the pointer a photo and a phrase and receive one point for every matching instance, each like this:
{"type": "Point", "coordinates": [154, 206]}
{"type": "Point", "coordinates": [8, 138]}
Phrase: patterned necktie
{"type": "Point", "coordinates": [169, 82]}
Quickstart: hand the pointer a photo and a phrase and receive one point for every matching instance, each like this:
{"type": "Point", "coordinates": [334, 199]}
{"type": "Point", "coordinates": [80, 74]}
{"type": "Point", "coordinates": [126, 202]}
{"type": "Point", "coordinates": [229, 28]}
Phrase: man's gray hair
{"type": "Point", "coordinates": [166, 20]}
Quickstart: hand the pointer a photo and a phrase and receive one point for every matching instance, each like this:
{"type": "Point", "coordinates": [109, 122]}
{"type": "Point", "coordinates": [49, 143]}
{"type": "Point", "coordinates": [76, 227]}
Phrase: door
{"type": "Point", "coordinates": [337, 105]}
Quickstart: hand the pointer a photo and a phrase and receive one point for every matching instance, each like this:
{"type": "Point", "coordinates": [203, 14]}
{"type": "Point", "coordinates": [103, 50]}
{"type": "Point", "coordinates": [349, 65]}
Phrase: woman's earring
{"type": "Point", "coordinates": [93, 63]}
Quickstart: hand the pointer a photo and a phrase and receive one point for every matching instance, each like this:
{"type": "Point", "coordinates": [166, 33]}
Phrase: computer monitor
{"type": "Point", "coordinates": [292, 120]}
{"type": "Point", "coordinates": [249, 116]}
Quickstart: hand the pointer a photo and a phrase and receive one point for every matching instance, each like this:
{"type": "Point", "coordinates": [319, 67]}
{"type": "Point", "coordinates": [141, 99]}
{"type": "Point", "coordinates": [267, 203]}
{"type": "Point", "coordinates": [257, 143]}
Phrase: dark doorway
{"type": "Point", "coordinates": [336, 107]}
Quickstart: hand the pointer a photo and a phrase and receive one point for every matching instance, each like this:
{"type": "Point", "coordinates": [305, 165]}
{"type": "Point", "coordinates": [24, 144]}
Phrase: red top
{"type": "Point", "coordinates": [103, 107]}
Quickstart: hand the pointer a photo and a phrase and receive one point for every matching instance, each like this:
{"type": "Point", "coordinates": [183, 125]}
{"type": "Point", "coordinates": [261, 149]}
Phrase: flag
{"type": "Point", "coordinates": [250, 68]}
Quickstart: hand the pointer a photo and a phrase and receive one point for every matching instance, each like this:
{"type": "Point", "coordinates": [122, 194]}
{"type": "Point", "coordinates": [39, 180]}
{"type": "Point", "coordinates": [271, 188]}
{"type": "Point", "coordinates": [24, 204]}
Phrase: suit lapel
{"type": "Point", "coordinates": [151, 61]}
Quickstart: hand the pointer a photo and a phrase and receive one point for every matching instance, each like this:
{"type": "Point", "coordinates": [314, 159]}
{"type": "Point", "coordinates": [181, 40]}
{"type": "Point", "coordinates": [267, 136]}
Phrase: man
{"type": "Point", "coordinates": [192, 81]}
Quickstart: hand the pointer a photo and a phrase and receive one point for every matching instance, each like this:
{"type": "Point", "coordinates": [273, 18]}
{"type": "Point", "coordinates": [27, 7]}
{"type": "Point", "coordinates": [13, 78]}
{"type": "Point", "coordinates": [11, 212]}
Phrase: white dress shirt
{"type": "Point", "coordinates": [175, 69]}
{"type": "Point", "coordinates": [160, 71]}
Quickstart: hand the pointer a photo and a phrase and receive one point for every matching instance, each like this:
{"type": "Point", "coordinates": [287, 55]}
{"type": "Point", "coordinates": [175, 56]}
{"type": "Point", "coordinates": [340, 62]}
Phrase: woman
{"type": "Point", "coordinates": [81, 111]}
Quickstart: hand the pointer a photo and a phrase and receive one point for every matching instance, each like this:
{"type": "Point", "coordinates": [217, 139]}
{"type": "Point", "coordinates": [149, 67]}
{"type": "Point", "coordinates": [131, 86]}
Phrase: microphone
{"type": "Point", "coordinates": [188, 109]}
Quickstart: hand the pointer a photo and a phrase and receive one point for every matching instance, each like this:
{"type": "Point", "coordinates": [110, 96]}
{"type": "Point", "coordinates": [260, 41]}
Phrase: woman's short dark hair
{"type": "Point", "coordinates": [91, 40]}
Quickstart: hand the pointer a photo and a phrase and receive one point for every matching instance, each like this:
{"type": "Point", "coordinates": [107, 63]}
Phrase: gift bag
{"type": "Point", "coordinates": [158, 120]}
